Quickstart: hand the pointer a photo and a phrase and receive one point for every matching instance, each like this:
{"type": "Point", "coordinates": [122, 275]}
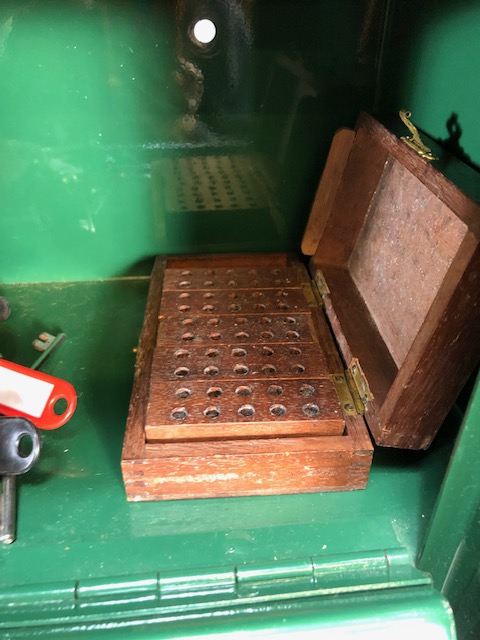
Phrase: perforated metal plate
{"type": "Point", "coordinates": [237, 356]}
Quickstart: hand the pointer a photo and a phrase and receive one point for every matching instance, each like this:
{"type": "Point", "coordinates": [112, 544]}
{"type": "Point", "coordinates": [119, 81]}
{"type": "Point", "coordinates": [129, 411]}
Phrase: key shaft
{"type": "Point", "coordinates": [8, 509]}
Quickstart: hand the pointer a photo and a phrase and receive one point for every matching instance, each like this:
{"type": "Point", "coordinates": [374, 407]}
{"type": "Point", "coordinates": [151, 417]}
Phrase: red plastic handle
{"type": "Point", "coordinates": [33, 395]}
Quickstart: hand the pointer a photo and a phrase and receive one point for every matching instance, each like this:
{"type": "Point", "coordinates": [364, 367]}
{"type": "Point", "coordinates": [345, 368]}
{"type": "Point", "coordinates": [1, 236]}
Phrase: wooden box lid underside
{"type": "Point", "coordinates": [397, 245]}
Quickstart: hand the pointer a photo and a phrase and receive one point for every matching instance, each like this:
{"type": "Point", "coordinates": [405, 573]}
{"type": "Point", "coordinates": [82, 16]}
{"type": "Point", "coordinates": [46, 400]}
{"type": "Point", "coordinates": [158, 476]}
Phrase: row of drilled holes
{"type": "Point", "coordinates": [214, 322]}
{"type": "Point", "coordinates": [240, 369]}
{"type": "Point", "coordinates": [241, 335]}
{"type": "Point", "coordinates": [243, 391]}
{"type": "Point", "coordinates": [233, 307]}
{"type": "Point", "coordinates": [186, 284]}
{"type": "Point", "coordinates": [237, 352]}
{"type": "Point", "coordinates": [232, 295]}
{"type": "Point", "coordinates": [229, 272]}
{"type": "Point", "coordinates": [247, 411]}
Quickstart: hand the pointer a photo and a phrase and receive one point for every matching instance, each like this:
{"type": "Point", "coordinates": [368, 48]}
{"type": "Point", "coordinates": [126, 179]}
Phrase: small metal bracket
{"type": "Point", "coordinates": [310, 294]}
{"type": "Point", "coordinates": [359, 382]}
{"type": "Point", "coordinates": [46, 344]}
{"type": "Point", "coordinates": [347, 402]}
{"type": "Point", "coordinates": [321, 284]}
{"type": "Point", "coordinates": [414, 141]}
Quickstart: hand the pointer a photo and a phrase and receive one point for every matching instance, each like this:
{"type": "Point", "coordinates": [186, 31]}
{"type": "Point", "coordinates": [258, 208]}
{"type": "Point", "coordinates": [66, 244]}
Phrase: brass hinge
{"type": "Point", "coordinates": [311, 296]}
{"type": "Point", "coordinates": [352, 389]}
{"type": "Point", "coordinates": [347, 401]}
{"type": "Point", "coordinates": [315, 290]}
{"type": "Point", "coordinates": [321, 284]}
{"type": "Point", "coordinates": [360, 382]}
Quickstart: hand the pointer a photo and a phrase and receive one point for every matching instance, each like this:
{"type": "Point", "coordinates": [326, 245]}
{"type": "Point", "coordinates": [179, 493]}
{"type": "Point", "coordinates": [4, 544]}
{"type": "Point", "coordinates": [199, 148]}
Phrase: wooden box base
{"type": "Point", "coordinates": [161, 461]}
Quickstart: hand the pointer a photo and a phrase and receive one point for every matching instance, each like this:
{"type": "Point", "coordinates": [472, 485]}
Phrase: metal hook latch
{"type": "Point", "coordinates": [414, 141]}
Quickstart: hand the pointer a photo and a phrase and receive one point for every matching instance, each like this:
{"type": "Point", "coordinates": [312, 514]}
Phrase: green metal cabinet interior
{"type": "Point", "coordinates": [99, 100]}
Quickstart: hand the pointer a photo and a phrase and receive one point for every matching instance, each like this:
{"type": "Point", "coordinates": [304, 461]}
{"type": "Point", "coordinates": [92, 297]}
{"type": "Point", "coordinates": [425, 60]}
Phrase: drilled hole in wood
{"type": "Point", "coordinates": [247, 411]}
{"type": "Point", "coordinates": [182, 353]}
{"type": "Point", "coordinates": [289, 320]}
{"type": "Point", "coordinates": [277, 281]}
{"type": "Point", "coordinates": [298, 368]}
{"type": "Point", "coordinates": [241, 320]}
{"type": "Point", "coordinates": [208, 308]}
{"type": "Point", "coordinates": [215, 336]}
{"type": "Point", "coordinates": [208, 283]}
{"type": "Point", "coordinates": [259, 307]}
{"type": "Point", "coordinates": [269, 369]}
{"type": "Point", "coordinates": [234, 307]}
{"type": "Point", "coordinates": [311, 410]}
{"type": "Point", "coordinates": [239, 353]}
{"type": "Point", "coordinates": [265, 320]}
{"type": "Point", "coordinates": [243, 391]}
{"type": "Point", "coordinates": [252, 272]}
{"type": "Point", "coordinates": [211, 371]}
{"type": "Point", "coordinates": [214, 321]}
{"type": "Point", "coordinates": [275, 390]}
{"type": "Point", "coordinates": [242, 335]}
{"type": "Point", "coordinates": [307, 391]}
{"type": "Point", "coordinates": [212, 353]}
{"type": "Point", "coordinates": [266, 351]}
{"type": "Point", "coordinates": [184, 296]}
{"type": "Point", "coordinates": [295, 351]}
{"type": "Point", "coordinates": [188, 337]}
{"type": "Point", "coordinates": [231, 283]}
{"type": "Point", "coordinates": [183, 393]}
{"type": "Point", "coordinates": [188, 322]}
{"type": "Point", "coordinates": [283, 306]}
{"type": "Point", "coordinates": [258, 294]}
{"type": "Point", "coordinates": [240, 369]}
{"type": "Point", "coordinates": [181, 372]}
{"type": "Point", "coordinates": [208, 295]}
{"type": "Point", "coordinates": [185, 284]}
{"type": "Point", "coordinates": [293, 335]}
{"type": "Point", "coordinates": [278, 410]}
{"type": "Point", "coordinates": [212, 412]}
{"type": "Point", "coordinates": [214, 392]}
{"type": "Point", "coordinates": [232, 295]}
{"type": "Point", "coordinates": [267, 335]}
{"type": "Point", "coordinates": [275, 272]}
{"type": "Point", "coordinates": [186, 273]}
{"type": "Point", "coordinates": [179, 413]}
{"type": "Point", "coordinates": [183, 308]}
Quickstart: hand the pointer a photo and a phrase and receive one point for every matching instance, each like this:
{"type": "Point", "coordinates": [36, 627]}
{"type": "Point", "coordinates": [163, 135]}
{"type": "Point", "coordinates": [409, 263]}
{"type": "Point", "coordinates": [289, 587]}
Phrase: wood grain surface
{"type": "Point", "coordinates": [399, 255]}
{"type": "Point", "coordinates": [234, 417]}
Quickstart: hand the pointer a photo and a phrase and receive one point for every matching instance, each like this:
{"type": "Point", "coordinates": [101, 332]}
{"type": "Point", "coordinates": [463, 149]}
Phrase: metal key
{"type": "Point", "coordinates": [14, 433]}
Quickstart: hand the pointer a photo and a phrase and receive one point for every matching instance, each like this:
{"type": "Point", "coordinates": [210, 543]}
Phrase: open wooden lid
{"type": "Point", "coordinates": [398, 247]}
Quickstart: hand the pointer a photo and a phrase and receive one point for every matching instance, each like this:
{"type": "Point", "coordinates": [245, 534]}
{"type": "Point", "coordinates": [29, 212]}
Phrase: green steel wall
{"type": "Point", "coordinates": [431, 65]}
{"type": "Point", "coordinates": [102, 101]}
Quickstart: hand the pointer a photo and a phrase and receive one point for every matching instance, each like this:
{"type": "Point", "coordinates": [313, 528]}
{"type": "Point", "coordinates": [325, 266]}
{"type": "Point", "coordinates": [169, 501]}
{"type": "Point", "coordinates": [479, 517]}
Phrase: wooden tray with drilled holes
{"type": "Point", "coordinates": [257, 375]}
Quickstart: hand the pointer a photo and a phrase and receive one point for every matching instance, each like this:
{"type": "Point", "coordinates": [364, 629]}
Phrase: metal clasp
{"type": "Point", "coordinates": [414, 141]}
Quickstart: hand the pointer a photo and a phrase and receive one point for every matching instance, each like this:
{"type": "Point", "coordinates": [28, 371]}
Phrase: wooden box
{"type": "Point", "coordinates": [257, 374]}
